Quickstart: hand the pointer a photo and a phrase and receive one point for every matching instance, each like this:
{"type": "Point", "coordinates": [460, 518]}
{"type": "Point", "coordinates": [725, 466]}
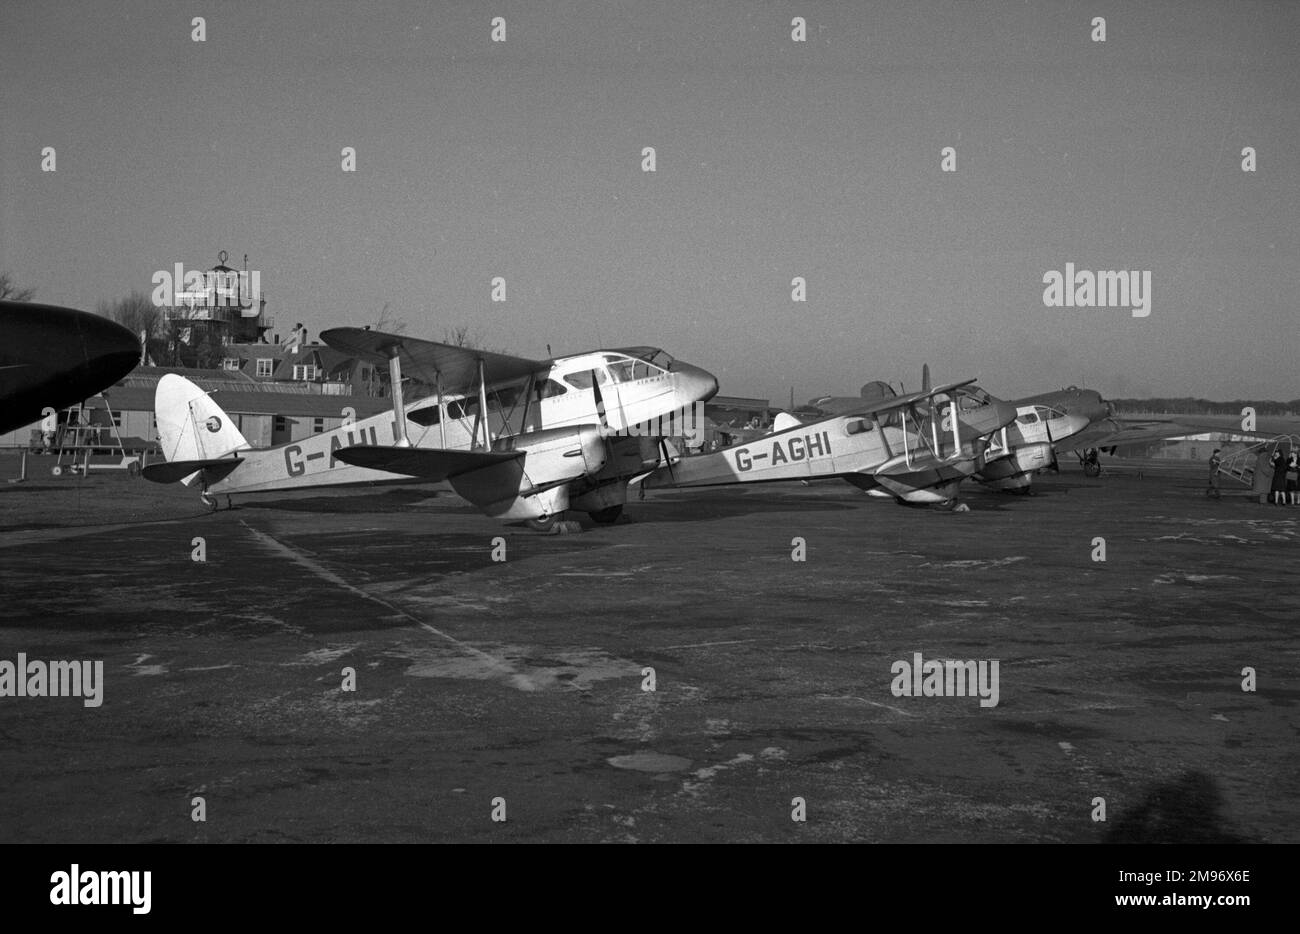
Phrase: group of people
{"type": "Point", "coordinates": [1284, 487]}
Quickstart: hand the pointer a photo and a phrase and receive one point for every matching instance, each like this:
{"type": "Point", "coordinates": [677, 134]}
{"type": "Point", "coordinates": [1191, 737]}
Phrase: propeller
{"type": "Point", "coordinates": [1053, 466]}
{"type": "Point", "coordinates": [600, 403]}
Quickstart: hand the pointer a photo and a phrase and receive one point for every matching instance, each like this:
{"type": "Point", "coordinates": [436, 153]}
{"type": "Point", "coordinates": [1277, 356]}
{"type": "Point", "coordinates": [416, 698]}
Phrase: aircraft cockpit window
{"type": "Point", "coordinates": [1047, 412]}
{"type": "Point", "coordinates": [582, 378]}
{"type": "Point", "coordinates": [661, 360]}
{"type": "Point", "coordinates": [643, 370]}
{"type": "Point", "coordinates": [620, 368]}
{"type": "Point", "coordinates": [1027, 418]}
{"type": "Point", "coordinates": [549, 389]}
{"type": "Point", "coordinates": [974, 399]}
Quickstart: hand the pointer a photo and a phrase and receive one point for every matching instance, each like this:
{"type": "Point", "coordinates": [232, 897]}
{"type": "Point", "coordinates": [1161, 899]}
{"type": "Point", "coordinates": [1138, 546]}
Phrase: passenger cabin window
{"type": "Point", "coordinates": [426, 416]}
{"type": "Point", "coordinates": [549, 389]}
{"type": "Point", "coordinates": [1028, 418]}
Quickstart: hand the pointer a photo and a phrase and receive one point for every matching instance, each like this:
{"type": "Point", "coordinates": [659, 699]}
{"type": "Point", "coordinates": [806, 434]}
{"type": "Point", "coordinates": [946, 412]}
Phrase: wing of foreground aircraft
{"type": "Point", "coordinates": [521, 439]}
{"type": "Point", "coordinates": [54, 357]}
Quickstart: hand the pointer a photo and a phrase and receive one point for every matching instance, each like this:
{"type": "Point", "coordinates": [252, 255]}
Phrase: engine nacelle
{"type": "Point", "coordinates": [534, 486]}
{"type": "Point", "coordinates": [558, 453]}
{"type": "Point", "coordinates": [1015, 472]}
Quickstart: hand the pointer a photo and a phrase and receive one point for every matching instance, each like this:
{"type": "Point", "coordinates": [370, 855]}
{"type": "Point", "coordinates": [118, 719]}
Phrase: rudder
{"type": "Point", "coordinates": [191, 427]}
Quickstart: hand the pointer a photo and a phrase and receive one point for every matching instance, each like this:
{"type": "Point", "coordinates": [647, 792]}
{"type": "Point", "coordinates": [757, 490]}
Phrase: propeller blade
{"type": "Point", "coordinates": [600, 402]}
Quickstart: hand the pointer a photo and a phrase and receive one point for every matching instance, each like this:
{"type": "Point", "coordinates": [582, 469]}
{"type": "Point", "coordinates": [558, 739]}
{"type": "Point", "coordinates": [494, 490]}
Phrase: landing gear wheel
{"type": "Point", "coordinates": [210, 501]}
{"type": "Point", "coordinates": [1091, 469]}
{"type": "Point", "coordinates": [608, 515]}
{"type": "Point", "coordinates": [541, 525]}
{"type": "Point", "coordinates": [56, 470]}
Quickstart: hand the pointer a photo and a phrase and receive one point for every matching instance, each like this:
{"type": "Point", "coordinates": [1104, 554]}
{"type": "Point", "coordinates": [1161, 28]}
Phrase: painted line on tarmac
{"type": "Point", "coordinates": [500, 666]}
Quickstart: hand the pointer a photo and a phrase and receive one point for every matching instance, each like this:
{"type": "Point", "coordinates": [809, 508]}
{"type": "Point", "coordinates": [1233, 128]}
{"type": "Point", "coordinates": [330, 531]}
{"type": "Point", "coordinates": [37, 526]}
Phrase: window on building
{"type": "Point", "coordinates": [317, 425]}
{"type": "Point", "coordinates": [230, 363]}
{"type": "Point", "coordinates": [281, 423]}
{"type": "Point", "coordinates": [304, 371]}
{"type": "Point", "coordinates": [265, 367]}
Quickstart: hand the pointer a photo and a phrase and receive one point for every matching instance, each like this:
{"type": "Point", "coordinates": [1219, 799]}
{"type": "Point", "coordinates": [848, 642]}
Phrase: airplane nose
{"type": "Point", "coordinates": [1076, 423]}
{"type": "Point", "coordinates": [699, 384]}
{"type": "Point", "coordinates": [109, 351]}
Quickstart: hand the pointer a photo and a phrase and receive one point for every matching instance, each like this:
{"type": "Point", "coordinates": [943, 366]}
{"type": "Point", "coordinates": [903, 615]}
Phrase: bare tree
{"type": "Point", "coordinates": [465, 336]}
{"type": "Point", "coordinates": [10, 292]}
{"type": "Point", "coordinates": [389, 324]}
{"type": "Point", "coordinates": [139, 314]}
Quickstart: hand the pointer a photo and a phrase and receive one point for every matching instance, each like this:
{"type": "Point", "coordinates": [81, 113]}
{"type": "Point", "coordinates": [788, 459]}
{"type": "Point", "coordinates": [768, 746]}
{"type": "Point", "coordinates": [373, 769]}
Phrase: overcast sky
{"type": "Point", "coordinates": [775, 159]}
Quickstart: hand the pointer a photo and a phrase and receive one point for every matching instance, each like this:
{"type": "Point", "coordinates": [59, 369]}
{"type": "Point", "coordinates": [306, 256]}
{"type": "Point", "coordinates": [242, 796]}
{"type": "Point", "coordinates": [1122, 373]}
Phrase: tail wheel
{"type": "Point", "coordinates": [608, 515]}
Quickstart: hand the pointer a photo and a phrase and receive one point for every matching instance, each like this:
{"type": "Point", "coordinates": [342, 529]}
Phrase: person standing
{"type": "Point", "coordinates": [1214, 475]}
{"type": "Point", "coordinates": [1277, 488]}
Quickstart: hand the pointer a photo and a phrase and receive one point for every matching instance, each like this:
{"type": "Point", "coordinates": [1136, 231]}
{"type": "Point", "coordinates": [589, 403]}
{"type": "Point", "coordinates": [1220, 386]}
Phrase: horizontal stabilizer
{"type": "Point", "coordinates": [425, 463]}
{"type": "Point", "coordinates": [175, 471]}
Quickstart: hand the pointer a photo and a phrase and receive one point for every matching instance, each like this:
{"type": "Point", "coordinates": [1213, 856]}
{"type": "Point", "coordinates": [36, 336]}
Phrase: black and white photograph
{"type": "Point", "coordinates": [651, 422]}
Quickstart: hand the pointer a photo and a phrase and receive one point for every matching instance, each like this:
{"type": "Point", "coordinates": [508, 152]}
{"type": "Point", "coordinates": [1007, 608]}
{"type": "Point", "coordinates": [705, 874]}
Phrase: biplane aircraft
{"type": "Point", "coordinates": [916, 448]}
{"type": "Point", "coordinates": [521, 439]}
{"type": "Point", "coordinates": [1041, 423]}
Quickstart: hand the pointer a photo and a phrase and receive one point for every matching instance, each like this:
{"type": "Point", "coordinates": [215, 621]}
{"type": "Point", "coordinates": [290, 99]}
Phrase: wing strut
{"type": "Point", "coordinates": [907, 454]}
{"type": "Point", "coordinates": [442, 407]}
{"type": "Point", "coordinates": [399, 407]}
{"type": "Point", "coordinates": [482, 407]}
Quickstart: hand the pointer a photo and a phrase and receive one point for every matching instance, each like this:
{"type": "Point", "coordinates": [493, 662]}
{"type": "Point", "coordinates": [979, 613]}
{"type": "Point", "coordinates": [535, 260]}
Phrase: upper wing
{"type": "Point", "coordinates": [840, 406]}
{"type": "Point", "coordinates": [457, 366]}
{"type": "Point", "coordinates": [430, 464]}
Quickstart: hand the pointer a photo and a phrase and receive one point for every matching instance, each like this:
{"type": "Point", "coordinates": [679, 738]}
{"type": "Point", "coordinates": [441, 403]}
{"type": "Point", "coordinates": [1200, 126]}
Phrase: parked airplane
{"type": "Point", "coordinates": [521, 439]}
{"type": "Point", "coordinates": [54, 357]}
{"type": "Point", "coordinates": [911, 446]}
{"type": "Point", "coordinates": [1041, 423]}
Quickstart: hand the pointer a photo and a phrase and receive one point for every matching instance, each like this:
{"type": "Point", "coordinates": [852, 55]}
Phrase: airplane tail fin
{"type": "Point", "coordinates": [191, 427]}
{"type": "Point", "coordinates": [783, 421]}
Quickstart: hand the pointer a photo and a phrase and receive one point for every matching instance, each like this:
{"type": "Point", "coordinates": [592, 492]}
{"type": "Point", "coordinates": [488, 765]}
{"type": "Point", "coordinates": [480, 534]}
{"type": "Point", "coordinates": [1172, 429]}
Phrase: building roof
{"type": "Point", "coordinates": [245, 398]}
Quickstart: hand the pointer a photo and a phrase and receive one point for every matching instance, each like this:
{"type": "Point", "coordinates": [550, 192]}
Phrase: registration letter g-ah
{"type": "Point", "coordinates": [293, 461]}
